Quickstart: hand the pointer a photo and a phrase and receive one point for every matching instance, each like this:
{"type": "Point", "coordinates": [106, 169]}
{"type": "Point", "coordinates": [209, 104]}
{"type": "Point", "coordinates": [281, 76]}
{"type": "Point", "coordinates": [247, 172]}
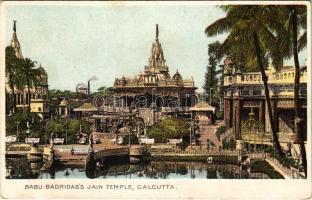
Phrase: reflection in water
{"type": "Point", "coordinates": [20, 168]}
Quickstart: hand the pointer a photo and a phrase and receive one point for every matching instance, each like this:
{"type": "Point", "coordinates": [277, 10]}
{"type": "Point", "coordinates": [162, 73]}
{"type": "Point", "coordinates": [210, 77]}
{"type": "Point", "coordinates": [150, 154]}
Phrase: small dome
{"type": "Point", "coordinates": [42, 70]}
{"type": "Point", "coordinates": [177, 76]}
{"type": "Point", "coordinates": [64, 102]}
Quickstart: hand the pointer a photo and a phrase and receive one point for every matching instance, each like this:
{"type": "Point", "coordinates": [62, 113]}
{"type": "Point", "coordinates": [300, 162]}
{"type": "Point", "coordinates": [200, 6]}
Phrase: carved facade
{"type": "Point", "coordinates": [244, 95]}
{"type": "Point", "coordinates": [155, 87]}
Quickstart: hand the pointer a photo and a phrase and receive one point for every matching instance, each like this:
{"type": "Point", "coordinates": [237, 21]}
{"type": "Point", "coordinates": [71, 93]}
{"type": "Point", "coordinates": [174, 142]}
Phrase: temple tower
{"type": "Point", "coordinates": [15, 43]}
{"type": "Point", "coordinates": [157, 62]}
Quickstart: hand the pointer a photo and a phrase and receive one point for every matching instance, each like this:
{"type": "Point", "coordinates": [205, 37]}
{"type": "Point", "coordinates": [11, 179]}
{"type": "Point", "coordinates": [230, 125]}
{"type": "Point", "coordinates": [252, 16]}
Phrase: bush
{"type": "Point", "coordinates": [287, 161]}
{"type": "Point", "coordinates": [229, 144]}
{"type": "Point", "coordinates": [168, 129]}
{"type": "Point", "coordinates": [220, 131]}
{"type": "Point", "coordinates": [185, 142]}
{"type": "Point", "coordinates": [210, 144]}
{"type": "Point", "coordinates": [58, 127]}
{"type": "Point", "coordinates": [20, 118]}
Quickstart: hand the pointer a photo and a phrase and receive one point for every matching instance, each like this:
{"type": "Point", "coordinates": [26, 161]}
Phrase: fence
{"type": "Point", "coordinates": [201, 151]}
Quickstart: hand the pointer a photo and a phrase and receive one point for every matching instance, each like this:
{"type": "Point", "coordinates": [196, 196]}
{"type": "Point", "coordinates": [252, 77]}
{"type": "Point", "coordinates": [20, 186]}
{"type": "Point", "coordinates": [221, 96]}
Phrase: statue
{"type": "Point", "coordinates": [52, 142]}
{"type": "Point", "coordinates": [91, 143]}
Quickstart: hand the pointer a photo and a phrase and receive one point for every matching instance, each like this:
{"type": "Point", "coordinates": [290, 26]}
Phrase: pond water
{"type": "Point", "coordinates": [20, 168]}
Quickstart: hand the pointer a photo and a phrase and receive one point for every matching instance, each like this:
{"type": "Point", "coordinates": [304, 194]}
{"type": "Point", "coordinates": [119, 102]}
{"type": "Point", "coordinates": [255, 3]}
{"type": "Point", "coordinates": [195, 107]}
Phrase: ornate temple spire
{"type": "Point", "coordinates": [15, 43]}
{"type": "Point", "coordinates": [157, 59]}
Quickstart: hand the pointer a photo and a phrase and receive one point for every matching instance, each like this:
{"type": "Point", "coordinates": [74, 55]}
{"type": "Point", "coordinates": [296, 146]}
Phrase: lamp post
{"type": "Point", "coordinates": [220, 104]}
{"type": "Point", "coordinates": [129, 134]}
{"type": "Point", "coordinates": [28, 129]}
{"type": "Point", "coordinates": [191, 130]}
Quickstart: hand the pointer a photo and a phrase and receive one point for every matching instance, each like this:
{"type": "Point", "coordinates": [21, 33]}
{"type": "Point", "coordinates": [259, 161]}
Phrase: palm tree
{"type": "Point", "coordinates": [295, 13]}
{"type": "Point", "coordinates": [28, 76]}
{"type": "Point", "coordinates": [11, 67]}
{"type": "Point", "coordinates": [248, 24]}
{"type": "Point", "coordinates": [287, 22]}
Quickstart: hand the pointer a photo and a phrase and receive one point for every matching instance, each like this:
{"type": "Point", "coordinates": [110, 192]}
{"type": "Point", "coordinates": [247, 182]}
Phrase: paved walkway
{"type": "Point", "coordinates": [209, 132]}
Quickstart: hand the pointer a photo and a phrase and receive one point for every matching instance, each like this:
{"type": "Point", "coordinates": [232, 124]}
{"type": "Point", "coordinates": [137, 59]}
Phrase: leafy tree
{"type": "Point", "coordinates": [103, 91]}
{"type": "Point", "coordinates": [58, 94]}
{"type": "Point", "coordinates": [59, 126]}
{"type": "Point", "coordinates": [168, 129]}
{"type": "Point", "coordinates": [213, 75]}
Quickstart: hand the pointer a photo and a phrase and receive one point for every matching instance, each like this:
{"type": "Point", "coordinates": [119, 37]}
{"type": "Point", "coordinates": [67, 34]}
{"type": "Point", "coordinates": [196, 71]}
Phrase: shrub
{"type": "Point", "coordinates": [231, 144]}
{"type": "Point", "coordinates": [220, 131]}
{"type": "Point", "coordinates": [210, 144]}
{"type": "Point", "coordinates": [58, 126]}
{"type": "Point", "coordinates": [167, 129]}
{"type": "Point", "coordinates": [286, 161]}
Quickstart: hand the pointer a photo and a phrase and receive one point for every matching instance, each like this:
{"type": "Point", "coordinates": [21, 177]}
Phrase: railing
{"type": "Point", "coordinates": [111, 152]}
{"type": "Point", "coordinates": [263, 137]}
{"type": "Point", "coordinates": [275, 77]}
{"type": "Point", "coordinates": [203, 151]}
{"type": "Point", "coordinates": [226, 134]}
{"type": "Point", "coordinates": [291, 171]}
{"type": "Point", "coordinates": [136, 83]}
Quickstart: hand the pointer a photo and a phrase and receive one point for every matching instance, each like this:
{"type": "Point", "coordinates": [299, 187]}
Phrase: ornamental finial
{"type": "Point", "coordinates": [14, 25]}
{"type": "Point", "coordinates": [157, 32]}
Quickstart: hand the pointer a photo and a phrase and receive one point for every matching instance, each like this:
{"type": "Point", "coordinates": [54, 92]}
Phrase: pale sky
{"type": "Point", "coordinates": [74, 43]}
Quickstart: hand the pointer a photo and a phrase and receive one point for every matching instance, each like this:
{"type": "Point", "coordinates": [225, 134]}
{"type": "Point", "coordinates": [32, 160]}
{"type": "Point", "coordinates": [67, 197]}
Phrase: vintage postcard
{"type": "Point", "coordinates": [161, 100]}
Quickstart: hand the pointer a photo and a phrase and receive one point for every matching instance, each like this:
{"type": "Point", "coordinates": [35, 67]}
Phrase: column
{"type": "Point", "coordinates": [267, 117]}
{"type": "Point", "coordinates": [261, 112]}
{"type": "Point", "coordinates": [227, 113]}
{"type": "Point", "coordinates": [236, 118]}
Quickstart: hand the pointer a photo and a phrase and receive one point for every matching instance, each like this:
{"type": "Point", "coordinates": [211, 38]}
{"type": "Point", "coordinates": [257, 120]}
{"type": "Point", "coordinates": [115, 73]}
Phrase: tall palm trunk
{"type": "Point", "coordinates": [13, 95]}
{"type": "Point", "coordinates": [267, 95]}
{"type": "Point", "coordinates": [12, 88]}
{"type": "Point", "coordinates": [28, 91]}
{"type": "Point", "coordinates": [297, 130]}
